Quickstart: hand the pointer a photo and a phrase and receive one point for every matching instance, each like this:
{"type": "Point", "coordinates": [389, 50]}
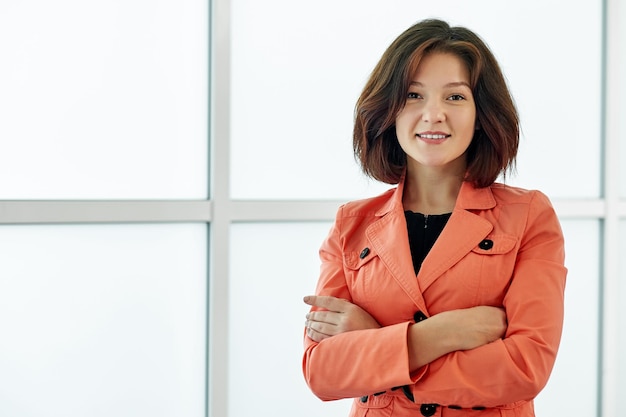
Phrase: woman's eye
{"type": "Point", "coordinates": [413, 95]}
{"type": "Point", "coordinates": [456, 97]}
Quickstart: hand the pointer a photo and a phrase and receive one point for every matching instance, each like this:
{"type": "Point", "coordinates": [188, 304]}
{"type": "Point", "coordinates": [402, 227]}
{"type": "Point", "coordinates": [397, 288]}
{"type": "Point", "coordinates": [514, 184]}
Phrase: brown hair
{"type": "Point", "coordinates": [494, 146]}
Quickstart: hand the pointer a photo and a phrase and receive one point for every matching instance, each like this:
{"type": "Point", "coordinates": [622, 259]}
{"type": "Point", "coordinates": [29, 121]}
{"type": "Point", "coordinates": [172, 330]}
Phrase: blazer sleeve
{"type": "Point", "coordinates": [517, 367]}
{"type": "Point", "coordinates": [355, 363]}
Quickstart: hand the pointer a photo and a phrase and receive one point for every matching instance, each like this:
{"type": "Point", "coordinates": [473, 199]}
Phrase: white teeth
{"type": "Point", "coordinates": [433, 136]}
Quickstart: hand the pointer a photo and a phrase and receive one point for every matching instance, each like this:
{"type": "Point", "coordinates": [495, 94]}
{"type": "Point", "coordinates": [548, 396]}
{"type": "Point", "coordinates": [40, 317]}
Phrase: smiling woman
{"type": "Point", "coordinates": [293, 84]}
{"type": "Point", "coordinates": [416, 322]}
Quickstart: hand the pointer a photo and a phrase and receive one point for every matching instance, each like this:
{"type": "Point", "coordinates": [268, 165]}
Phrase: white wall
{"type": "Point", "coordinates": [109, 102]}
{"type": "Point", "coordinates": [102, 100]}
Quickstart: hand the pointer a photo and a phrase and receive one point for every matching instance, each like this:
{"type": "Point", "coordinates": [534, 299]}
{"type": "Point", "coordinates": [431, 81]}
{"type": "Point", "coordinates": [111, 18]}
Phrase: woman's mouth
{"type": "Point", "coordinates": [432, 136]}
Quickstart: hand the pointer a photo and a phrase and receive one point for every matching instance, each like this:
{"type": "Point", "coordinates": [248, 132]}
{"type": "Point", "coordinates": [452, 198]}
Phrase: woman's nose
{"type": "Point", "coordinates": [432, 112]}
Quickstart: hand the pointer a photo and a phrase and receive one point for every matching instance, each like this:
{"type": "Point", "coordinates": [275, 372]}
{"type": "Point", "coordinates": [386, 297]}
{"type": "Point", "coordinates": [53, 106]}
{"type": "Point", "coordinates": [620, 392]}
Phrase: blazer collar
{"type": "Point", "coordinates": [463, 232]}
{"type": "Point", "coordinates": [469, 198]}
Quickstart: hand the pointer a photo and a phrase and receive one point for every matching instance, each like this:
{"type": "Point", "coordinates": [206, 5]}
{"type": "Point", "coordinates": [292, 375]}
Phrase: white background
{"type": "Point", "coordinates": [126, 100]}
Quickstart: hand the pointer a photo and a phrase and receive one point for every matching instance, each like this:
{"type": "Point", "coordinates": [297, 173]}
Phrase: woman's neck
{"type": "Point", "coordinates": [431, 192]}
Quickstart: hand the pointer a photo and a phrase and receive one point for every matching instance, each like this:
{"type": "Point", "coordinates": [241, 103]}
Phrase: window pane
{"type": "Point", "coordinates": [295, 82]}
{"type": "Point", "coordinates": [620, 331]}
{"type": "Point", "coordinates": [575, 374]}
{"type": "Point", "coordinates": [103, 99]}
{"type": "Point", "coordinates": [103, 320]}
{"type": "Point", "coordinates": [266, 305]}
{"type": "Point", "coordinates": [618, 91]}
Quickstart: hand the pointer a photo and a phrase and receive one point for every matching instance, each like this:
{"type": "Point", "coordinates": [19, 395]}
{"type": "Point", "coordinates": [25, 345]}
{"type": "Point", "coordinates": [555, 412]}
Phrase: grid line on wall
{"type": "Point", "coordinates": [609, 269]}
{"type": "Point", "coordinates": [219, 230]}
{"type": "Point", "coordinates": [203, 211]}
{"type": "Point", "coordinates": [104, 211]}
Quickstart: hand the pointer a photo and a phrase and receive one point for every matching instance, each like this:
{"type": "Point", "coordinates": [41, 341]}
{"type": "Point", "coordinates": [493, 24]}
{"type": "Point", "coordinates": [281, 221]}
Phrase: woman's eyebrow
{"type": "Point", "coordinates": [458, 84]}
{"type": "Point", "coordinates": [451, 84]}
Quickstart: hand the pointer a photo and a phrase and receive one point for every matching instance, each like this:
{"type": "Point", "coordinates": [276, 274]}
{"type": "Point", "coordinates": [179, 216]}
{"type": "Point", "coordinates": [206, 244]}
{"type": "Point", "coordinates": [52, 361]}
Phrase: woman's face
{"type": "Point", "coordinates": [438, 121]}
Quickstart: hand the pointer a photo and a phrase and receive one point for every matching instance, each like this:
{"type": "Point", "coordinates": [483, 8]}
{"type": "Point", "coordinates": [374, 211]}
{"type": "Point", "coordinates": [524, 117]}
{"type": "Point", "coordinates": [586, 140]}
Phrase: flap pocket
{"type": "Point", "coordinates": [355, 260]}
{"type": "Point", "coordinates": [495, 245]}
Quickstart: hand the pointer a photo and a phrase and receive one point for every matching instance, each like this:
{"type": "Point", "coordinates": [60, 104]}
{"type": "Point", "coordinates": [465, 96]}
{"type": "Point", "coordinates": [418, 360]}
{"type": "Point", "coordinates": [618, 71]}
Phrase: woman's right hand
{"type": "Point", "coordinates": [335, 316]}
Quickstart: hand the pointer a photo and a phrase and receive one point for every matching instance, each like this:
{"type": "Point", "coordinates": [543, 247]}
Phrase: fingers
{"type": "Point", "coordinates": [322, 316]}
{"type": "Point", "coordinates": [335, 316]}
{"type": "Point", "coordinates": [322, 322]}
{"type": "Point", "coordinates": [316, 336]}
{"type": "Point", "coordinates": [321, 325]}
{"type": "Point", "coordinates": [328, 302]}
{"type": "Point", "coordinates": [318, 330]}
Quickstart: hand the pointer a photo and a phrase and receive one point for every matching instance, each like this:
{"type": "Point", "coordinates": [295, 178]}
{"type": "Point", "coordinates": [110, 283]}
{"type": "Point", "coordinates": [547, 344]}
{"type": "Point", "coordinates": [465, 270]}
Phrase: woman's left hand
{"type": "Point", "coordinates": [338, 316]}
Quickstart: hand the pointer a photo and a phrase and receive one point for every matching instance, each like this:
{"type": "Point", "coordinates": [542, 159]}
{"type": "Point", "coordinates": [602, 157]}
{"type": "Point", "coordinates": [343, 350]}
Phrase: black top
{"type": "Point", "coordinates": [424, 229]}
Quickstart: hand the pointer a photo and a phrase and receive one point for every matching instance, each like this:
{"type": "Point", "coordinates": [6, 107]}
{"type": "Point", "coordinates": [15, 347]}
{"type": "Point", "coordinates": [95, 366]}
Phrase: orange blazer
{"type": "Point", "coordinates": [518, 266]}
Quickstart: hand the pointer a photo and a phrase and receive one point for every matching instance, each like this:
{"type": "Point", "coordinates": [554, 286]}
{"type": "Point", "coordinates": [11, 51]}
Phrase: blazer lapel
{"type": "Point", "coordinates": [464, 230]}
{"type": "Point", "coordinates": [461, 234]}
{"type": "Point", "coordinates": [389, 238]}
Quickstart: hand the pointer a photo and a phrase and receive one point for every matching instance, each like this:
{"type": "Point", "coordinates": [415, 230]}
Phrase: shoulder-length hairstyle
{"type": "Point", "coordinates": [493, 148]}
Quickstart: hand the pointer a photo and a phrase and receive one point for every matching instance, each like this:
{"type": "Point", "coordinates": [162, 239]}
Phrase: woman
{"type": "Point", "coordinates": [444, 295]}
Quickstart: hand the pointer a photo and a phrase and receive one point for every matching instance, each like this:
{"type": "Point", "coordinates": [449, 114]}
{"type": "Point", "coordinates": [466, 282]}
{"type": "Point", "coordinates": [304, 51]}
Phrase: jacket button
{"type": "Point", "coordinates": [486, 244]}
{"type": "Point", "coordinates": [419, 316]}
{"type": "Point", "coordinates": [364, 253]}
{"type": "Point", "coordinates": [363, 399]}
{"type": "Point", "coordinates": [428, 410]}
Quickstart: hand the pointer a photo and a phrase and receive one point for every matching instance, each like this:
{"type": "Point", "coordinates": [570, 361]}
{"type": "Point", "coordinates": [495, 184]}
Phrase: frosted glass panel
{"type": "Point", "coordinates": [620, 407]}
{"type": "Point", "coordinates": [103, 99]}
{"type": "Point", "coordinates": [103, 320]}
{"type": "Point", "coordinates": [575, 374]}
{"type": "Point", "coordinates": [298, 68]}
{"type": "Point", "coordinates": [273, 265]}
{"type": "Point", "coordinates": [618, 91]}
